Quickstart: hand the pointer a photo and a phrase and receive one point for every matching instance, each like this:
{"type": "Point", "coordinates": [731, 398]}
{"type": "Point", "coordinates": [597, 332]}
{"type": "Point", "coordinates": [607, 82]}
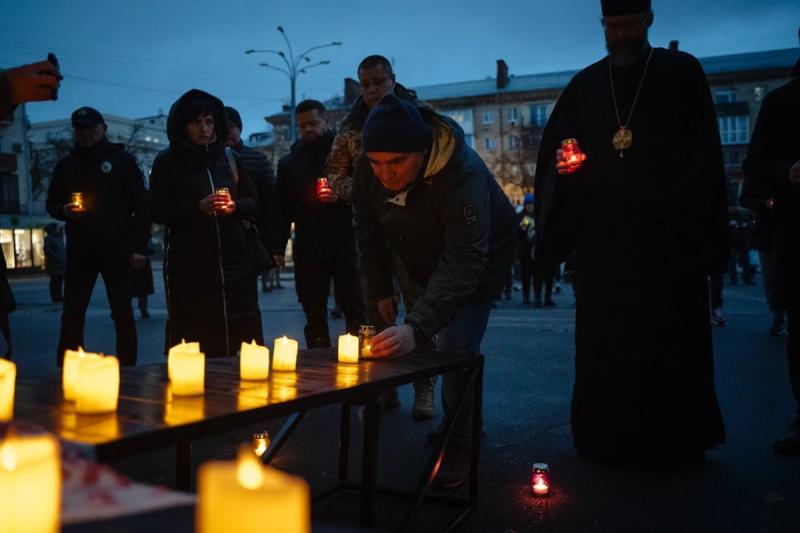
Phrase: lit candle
{"type": "Point", "coordinates": [254, 362]}
{"type": "Point", "coordinates": [365, 335]}
{"type": "Point", "coordinates": [30, 483]}
{"type": "Point", "coordinates": [285, 354]}
{"type": "Point", "coordinates": [247, 497]}
{"type": "Point", "coordinates": [323, 187]}
{"type": "Point", "coordinates": [76, 199]}
{"type": "Point", "coordinates": [540, 479]}
{"type": "Point", "coordinates": [97, 385]}
{"type": "Point", "coordinates": [69, 377]}
{"type": "Point", "coordinates": [261, 443]}
{"type": "Point", "coordinates": [572, 157]}
{"type": "Point", "coordinates": [348, 348]}
{"type": "Point", "coordinates": [188, 374]}
{"type": "Point", "coordinates": [8, 378]}
{"type": "Point", "coordinates": [188, 347]}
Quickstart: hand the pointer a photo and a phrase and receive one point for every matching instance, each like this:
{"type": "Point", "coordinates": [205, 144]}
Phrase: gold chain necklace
{"type": "Point", "coordinates": [623, 138]}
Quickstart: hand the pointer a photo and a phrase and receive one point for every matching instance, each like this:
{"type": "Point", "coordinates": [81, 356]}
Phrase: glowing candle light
{"type": "Point", "coordinates": [365, 335]}
{"type": "Point", "coordinates": [76, 199]}
{"type": "Point", "coordinates": [188, 347]}
{"type": "Point", "coordinates": [30, 483]}
{"type": "Point", "coordinates": [540, 479]}
{"type": "Point", "coordinates": [188, 374]}
{"type": "Point", "coordinates": [247, 497]}
{"type": "Point", "coordinates": [348, 348]}
{"type": "Point", "coordinates": [69, 377]}
{"type": "Point", "coordinates": [285, 354]}
{"type": "Point", "coordinates": [254, 362]}
{"type": "Point", "coordinates": [323, 187]}
{"type": "Point", "coordinates": [261, 442]}
{"type": "Point", "coordinates": [97, 385]}
{"type": "Point", "coordinates": [572, 157]}
{"type": "Point", "coordinates": [8, 379]}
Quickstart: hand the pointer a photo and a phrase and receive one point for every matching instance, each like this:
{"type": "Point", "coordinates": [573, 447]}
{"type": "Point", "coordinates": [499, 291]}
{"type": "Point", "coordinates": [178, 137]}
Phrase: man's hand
{"type": "Point", "coordinates": [226, 207]}
{"type": "Point", "coordinates": [568, 167]}
{"type": "Point", "coordinates": [34, 82]}
{"type": "Point", "coordinates": [794, 174]}
{"type": "Point", "coordinates": [216, 203]}
{"type": "Point", "coordinates": [394, 341]}
{"type": "Point", "coordinates": [387, 308]}
{"type": "Point", "coordinates": [138, 260]}
{"type": "Point", "coordinates": [73, 211]}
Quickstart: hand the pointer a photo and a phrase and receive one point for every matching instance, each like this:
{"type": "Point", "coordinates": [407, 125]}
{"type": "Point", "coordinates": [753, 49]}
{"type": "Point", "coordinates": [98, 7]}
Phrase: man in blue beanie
{"type": "Point", "coordinates": [421, 193]}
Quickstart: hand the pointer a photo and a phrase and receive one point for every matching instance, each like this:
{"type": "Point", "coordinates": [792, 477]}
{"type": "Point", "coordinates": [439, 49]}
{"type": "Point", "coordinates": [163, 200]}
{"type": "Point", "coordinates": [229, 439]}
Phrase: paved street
{"type": "Point", "coordinates": [743, 486]}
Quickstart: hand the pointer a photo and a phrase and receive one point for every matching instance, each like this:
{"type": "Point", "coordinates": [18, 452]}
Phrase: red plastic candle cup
{"type": "Point", "coordinates": [540, 479]}
{"type": "Point", "coordinates": [323, 187]}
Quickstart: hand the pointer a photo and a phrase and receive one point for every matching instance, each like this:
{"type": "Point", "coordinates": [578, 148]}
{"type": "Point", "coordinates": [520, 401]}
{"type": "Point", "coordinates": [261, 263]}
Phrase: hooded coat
{"type": "Point", "coordinates": [209, 279]}
{"type": "Point", "coordinates": [453, 229]}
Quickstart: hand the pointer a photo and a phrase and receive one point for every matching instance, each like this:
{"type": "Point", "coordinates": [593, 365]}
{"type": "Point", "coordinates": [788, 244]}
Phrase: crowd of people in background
{"type": "Point", "coordinates": [396, 207]}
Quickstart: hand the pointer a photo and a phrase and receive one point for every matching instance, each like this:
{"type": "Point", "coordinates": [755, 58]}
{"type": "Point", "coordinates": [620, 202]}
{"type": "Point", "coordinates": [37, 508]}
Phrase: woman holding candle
{"type": "Point", "coordinates": [209, 279]}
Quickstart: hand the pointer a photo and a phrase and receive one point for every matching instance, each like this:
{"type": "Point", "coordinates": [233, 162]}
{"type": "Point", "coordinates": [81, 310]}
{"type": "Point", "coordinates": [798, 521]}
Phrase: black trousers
{"type": "Point", "coordinates": [740, 254]}
{"type": "Point", "coordinates": [543, 274]}
{"type": "Point", "coordinates": [793, 351]}
{"type": "Point", "coordinates": [56, 288]}
{"type": "Point", "coordinates": [526, 266]}
{"type": "Point", "coordinates": [79, 280]}
{"type": "Point", "coordinates": [715, 290]}
{"type": "Point", "coordinates": [313, 277]}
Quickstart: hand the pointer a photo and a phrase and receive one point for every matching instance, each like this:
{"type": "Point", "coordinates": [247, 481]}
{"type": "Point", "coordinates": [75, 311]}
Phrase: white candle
{"type": "Point", "coordinates": [254, 362]}
{"type": "Point", "coordinates": [30, 483]}
{"type": "Point", "coordinates": [97, 385]}
{"type": "Point", "coordinates": [348, 349]}
{"type": "Point", "coordinates": [285, 354]}
{"type": "Point", "coordinates": [186, 347]}
{"type": "Point", "coordinates": [188, 373]}
{"type": "Point", "coordinates": [8, 379]}
{"type": "Point", "coordinates": [71, 360]}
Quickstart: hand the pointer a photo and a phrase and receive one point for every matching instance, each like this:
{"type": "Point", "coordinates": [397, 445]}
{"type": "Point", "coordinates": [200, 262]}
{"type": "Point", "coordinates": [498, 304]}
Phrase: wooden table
{"type": "Point", "coordinates": [148, 418]}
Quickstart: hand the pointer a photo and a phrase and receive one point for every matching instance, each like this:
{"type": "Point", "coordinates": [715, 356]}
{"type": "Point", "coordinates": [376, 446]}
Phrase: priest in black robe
{"type": "Point", "coordinates": [646, 215]}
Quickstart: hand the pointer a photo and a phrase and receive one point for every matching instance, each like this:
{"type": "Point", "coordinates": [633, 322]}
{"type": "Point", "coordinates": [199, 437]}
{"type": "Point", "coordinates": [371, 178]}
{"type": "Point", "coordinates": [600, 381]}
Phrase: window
{"type": "Point", "coordinates": [760, 92]}
{"type": "Point", "coordinates": [724, 97]}
{"type": "Point", "coordinates": [7, 243]}
{"type": "Point", "coordinates": [23, 248]}
{"type": "Point", "coordinates": [9, 193]}
{"type": "Point", "coordinates": [734, 129]}
{"type": "Point", "coordinates": [539, 115]}
{"type": "Point", "coordinates": [488, 117]}
{"type": "Point", "coordinates": [513, 142]}
{"type": "Point", "coordinates": [513, 115]}
{"type": "Point", "coordinates": [490, 144]}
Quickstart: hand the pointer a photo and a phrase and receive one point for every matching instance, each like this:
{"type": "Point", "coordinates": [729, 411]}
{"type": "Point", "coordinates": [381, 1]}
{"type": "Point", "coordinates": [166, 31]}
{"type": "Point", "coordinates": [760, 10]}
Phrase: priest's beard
{"type": "Point", "coordinates": [626, 50]}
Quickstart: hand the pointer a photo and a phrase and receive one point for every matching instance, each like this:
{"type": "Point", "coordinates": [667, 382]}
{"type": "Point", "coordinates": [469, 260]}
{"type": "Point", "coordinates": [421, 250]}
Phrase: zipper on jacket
{"type": "Point", "coordinates": [221, 271]}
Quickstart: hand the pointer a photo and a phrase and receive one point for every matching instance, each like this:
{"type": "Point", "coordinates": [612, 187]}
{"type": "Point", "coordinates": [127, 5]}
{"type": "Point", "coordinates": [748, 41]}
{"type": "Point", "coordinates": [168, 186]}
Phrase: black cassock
{"type": "Point", "coordinates": [646, 229]}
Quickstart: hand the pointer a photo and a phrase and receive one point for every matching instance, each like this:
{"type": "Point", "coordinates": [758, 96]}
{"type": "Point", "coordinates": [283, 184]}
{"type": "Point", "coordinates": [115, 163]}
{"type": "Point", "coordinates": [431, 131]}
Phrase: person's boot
{"type": "Point", "coordinates": [423, 400]}
{"type": "Point", "coordinates": [789, 442]}
{"type": "Point", "coordinates": [455, 467]}
{"type": "Point", "coordinates": [388, 400]}
{"type": "Point", "coordinates": [717, 318]}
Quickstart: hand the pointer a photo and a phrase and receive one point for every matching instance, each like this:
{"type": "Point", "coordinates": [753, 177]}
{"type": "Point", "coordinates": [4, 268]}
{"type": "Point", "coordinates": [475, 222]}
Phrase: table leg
{"type": "Point", "coordinates": [344, 443]}
{"type": "Point", "coordinates": [369, 465]}
{"type": "Point", "coordinates": [183, 466]}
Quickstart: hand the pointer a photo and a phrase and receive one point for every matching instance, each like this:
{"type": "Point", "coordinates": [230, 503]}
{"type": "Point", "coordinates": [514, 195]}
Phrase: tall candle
{"type": "Point", "coordinates": [97, 385]}
{"type": "Point", "coordinates": [284, 356]}
{"type": "Point", "coordinates": [8, 379]}
{"type": "Point", "coordinates": [348, 349]}
{"type": "Point", "coordinates": [30, 483]}
{"type": "Point", "coordinates": [247, 497]}
{"type": "Point", "coordinates": [70, 375]}
{"type": "Point", "coordinates": [253, 362]}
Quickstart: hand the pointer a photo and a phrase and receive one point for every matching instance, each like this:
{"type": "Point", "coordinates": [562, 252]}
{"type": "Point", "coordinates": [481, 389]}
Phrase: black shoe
{"type": "Point", "coordinates": [789, 442]}
{"type": "Point", "coordinates": [778, 327]}
{"type": "Point", "coordinates": [549, 303]}
{"type": "Point", "coordinates": [455, 468]}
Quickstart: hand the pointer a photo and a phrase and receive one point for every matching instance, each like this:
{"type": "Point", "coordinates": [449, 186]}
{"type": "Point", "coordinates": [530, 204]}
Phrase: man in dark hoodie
{"type": "Point", "coordinates": [324, 248]}
{"type": "Point", "coordinates": [106, 229]}
{"type": "Point", "coordinates": [421, 194]}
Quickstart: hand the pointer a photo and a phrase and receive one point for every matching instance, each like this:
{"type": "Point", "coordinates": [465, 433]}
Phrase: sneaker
{"type": "Point", "coordinates": [789, 442]}
{"type": "Point", "coordinates": [549, 303]}
{"type": "Point", "coordinates": [717, 318]}
{"type": "Point", "coordinates": [455, 467]}
{"type": "Point", "coordinates": [423, 400]}
{"type": "Point", "coordinates": [388, 400]}
{"type": "Point", "coordinates": [778, 327]}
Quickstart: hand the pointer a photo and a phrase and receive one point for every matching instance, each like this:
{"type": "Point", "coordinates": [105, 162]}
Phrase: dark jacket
{"type": "Point", "coordinates": [453, 229]}
{"type": "Point", "coordinates": [114, 195]}
{"type": "Point", "coordinates": [321, 229]}
{"type": "Point", "coordinates": [259, 170]}
{"type": "Point", "coordinates": [210, 283]}
{"type": "Point", "coordinates": [525, 235]}
{"type": "Point", "coordinates": [55, 253]}
{"type": "Point", "coordinates": [773, 149]}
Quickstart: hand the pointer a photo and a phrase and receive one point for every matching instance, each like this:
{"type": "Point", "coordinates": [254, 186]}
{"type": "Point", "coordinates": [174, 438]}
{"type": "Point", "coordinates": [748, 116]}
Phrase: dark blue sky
{"type": "Point", "coordinates": [132, 58]}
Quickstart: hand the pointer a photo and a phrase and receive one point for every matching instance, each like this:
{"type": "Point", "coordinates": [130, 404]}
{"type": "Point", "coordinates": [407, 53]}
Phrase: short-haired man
{"type": "Point", "coordinates": [421, 194]}
{"type": "Point", "coordinates": [259, 170]}
{"type": "Point", "coordinates": [106, 230]}
{"type": "Point", "coordinates": [324, 247]}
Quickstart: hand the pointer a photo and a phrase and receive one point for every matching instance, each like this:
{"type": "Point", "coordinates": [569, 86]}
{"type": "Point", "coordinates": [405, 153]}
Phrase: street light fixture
{"type": "Point", "coordinates": [292, 70]}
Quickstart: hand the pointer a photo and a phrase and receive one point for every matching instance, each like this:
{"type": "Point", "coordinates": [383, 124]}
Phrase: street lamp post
{"type": "Point", "coordinates": [294, 68]}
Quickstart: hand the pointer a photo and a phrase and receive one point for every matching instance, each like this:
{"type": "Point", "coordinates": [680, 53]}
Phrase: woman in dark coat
{"type": "Point", "coordinates": [209, 279]}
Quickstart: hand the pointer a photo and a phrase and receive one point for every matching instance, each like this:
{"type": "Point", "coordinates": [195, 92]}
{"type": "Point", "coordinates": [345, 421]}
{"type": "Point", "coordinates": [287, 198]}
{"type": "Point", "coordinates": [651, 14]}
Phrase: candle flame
{"type": "Point", "coordinates": [260, 443]}
{"type": "Point", "coordinates": [249, 471]}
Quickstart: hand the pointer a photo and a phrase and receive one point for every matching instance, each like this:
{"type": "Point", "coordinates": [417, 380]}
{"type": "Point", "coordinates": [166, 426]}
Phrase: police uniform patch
{"type": "Point", "coordinates": [470, 215]}
{"type": "Point", "coordinates": [105, 166]}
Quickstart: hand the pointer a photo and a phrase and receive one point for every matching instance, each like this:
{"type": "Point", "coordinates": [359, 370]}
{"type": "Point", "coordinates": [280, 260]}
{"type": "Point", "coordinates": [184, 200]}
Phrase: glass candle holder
{"type": "Point", "coordinates": [365, 335]}
{"type": "Point", "coordinates": [540, 479]}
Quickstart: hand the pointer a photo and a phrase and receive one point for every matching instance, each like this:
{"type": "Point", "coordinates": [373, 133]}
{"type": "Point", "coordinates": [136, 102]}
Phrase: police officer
{"type": "Point", "coordinates": [98, 190]}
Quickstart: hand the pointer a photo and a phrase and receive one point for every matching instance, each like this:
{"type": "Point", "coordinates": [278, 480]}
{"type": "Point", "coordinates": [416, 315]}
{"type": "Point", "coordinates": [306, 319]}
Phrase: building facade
{"type": "Point", "coordinates": [503, 117]}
